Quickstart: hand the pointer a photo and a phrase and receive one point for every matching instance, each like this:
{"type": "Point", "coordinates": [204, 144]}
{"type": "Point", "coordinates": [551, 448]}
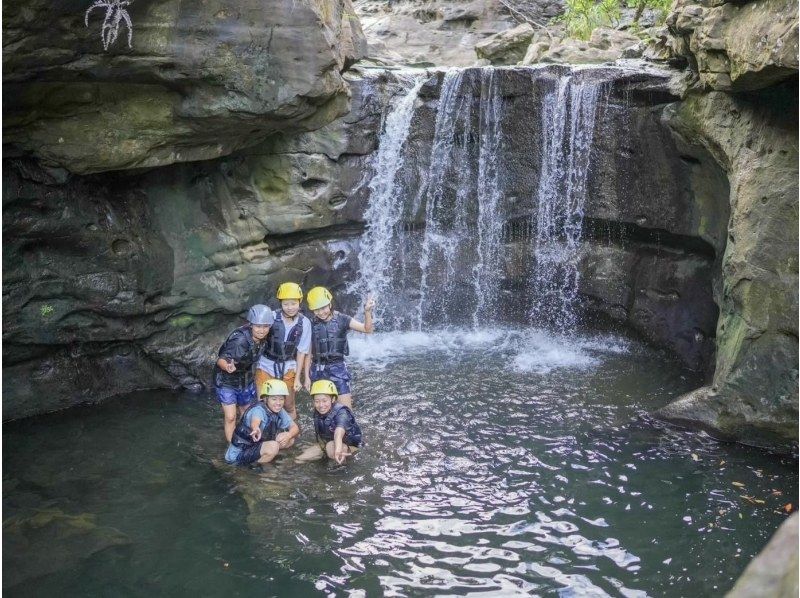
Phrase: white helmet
{"type": "Point", "coordinates": [260, 315]}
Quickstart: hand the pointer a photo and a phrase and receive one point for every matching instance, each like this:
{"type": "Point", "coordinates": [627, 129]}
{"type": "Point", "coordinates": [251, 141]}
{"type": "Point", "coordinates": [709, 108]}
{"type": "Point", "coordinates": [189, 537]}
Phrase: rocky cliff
{"type": "Point", "coordinates": [129, 279]}
{"type": "Point", "coordinates": [198, 81]}
{"type": "Point", "coordinates": [152, 192]}
{"type": "Point", "coordinates": [741, 104]}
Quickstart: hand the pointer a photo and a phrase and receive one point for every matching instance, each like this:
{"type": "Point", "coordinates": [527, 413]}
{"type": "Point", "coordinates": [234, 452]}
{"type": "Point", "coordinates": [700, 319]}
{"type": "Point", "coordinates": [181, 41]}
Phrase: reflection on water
{"type": "Point", "coordinates": [508, 462]}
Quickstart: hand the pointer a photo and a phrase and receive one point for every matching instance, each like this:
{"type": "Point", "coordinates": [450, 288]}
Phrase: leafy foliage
{"type": "Point", "coordinates": [581, 17]}
{"type": "Point", "coordinates": [116, 15]}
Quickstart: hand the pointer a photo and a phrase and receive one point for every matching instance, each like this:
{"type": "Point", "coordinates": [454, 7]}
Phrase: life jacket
{"type": "Point", "coordinates": [276, 348]}
{"type": "Point", "coordinates": [243, 376]}
{"type": "Point", "coordinates": [269, 429]}
{"type": "Point", "coordinates": [330, 339]}
{"type": "Point", "coordinates": [325, 425]}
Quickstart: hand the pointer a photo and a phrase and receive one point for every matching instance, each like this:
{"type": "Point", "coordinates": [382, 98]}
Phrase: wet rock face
{"type": "Point", "coordinates": [737, 46]}
{"type": "Point", "coordinates": [199, 81]}
{"type": "Point", "coordinates": [127, 282]}
{"type": "Point", "coordinates": [753, 395]}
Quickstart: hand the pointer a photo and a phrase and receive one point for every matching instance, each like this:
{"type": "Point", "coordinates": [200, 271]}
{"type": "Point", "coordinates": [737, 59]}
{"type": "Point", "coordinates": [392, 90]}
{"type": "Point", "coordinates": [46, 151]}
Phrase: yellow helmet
{"type": "Point", "coordinates": [290, 290]}
{"type": "Point", "coordinates": [274, 387]}
{"type": "Point", "coordinates": [323, 387]}
{"type": "Point", "coordinates": [319, 297]}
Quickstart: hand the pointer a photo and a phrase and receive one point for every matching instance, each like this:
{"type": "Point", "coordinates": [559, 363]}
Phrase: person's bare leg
{"type": "Point", "coordinates": [312, 453]}
{"type": "Point", "coordinates": [331, 454]}
{"type": "Point", "coordinates": [346, 400]}
{"type": "Point", "coordinates": [229, 420]}
{"type": "Point", "coordinates": [288, 404]}
{"type": "Point", "coordinates": [269, 450]}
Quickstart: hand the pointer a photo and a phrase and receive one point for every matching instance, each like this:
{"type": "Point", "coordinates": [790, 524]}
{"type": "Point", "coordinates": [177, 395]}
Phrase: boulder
{"type": "Point", "coordinates": [773, 573]}
{"type": "Point", "coordinates": [197, 81]}
{"type": "Point", "coordinates": [737, 46]}
{"type": "Point", "coordinates": [506, 47]}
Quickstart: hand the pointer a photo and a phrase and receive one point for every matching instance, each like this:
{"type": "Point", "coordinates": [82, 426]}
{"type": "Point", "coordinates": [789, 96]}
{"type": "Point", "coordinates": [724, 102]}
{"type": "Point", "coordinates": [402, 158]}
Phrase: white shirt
{"type": "Point", "coordinates": [303, 345]}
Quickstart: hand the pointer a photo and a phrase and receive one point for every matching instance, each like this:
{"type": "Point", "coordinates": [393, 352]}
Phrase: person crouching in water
{"type": "Point", "coordinates": [287, 344]}
{"type": "Point", "coordinates": [233, 372]}
{"type": "Point", "coordinates": [338, 433]}
{"type": "Point", "coordinates": [264, 429]}
{"type": "Point", "coordinates": [329, 341]}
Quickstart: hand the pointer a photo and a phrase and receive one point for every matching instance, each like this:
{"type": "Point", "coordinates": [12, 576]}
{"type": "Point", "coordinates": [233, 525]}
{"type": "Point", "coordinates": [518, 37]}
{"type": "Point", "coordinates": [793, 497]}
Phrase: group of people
{"type": "Point", "coordinates": [263, 364]}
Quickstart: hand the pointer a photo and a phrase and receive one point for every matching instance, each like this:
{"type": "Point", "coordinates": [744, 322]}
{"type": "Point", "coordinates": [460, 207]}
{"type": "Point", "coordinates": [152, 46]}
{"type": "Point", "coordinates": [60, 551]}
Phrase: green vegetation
{"type": "Point", "coordinates": [46, 311]}
{"type": "Point", "coordinates": [581, 17]}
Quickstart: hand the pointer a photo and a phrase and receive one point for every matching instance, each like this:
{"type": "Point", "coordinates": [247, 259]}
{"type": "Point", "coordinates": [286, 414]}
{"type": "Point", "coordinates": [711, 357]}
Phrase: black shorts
{"type": "Point", "coordinates": [249, 455]}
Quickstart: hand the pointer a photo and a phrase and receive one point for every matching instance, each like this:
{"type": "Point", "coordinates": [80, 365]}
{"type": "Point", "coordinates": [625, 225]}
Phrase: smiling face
{"type": "Point", "coordinates": [323, 403]}
{"type": "Point", "coordinates": [290, 307]}
{"type": "Point", "coordinates": [275, 403]}
{"type": "Point", "coordinates": [324, 313]}
{"type": "Point", "coordinates": [259, 331]}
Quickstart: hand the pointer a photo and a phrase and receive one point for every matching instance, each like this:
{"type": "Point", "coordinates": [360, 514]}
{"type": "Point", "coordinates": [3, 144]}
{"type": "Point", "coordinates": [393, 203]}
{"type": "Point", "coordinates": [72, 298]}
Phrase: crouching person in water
{"type": "Point", "coordinates": [265, 428]}
{"type": "Point", "coordinates": [329, 341]}
{"type": "Point", "coordinates": [338, 434]}
{"type": "Point", "coordinates": [233, 372]}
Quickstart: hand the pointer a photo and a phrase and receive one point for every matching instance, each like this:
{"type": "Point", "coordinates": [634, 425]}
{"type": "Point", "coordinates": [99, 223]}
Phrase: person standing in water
{"type": "Point", "coordinates": [287, 345]}
{"type": "Point", "coordinates": [233, 371]}
{"type": "Point", "coordinates": [338, 433]}
{"type": "Point", "coordinates": [264, 429]}
{"type": "Point", "coordinates": [329, 342]}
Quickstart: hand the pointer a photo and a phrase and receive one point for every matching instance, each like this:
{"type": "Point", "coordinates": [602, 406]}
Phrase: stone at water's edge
{"type": "Point", "coordinates": [754, 393]}
{"type": "Point", "coordinates": [774, 572]}
{"type": "Point", "coordinates": [200, 80]}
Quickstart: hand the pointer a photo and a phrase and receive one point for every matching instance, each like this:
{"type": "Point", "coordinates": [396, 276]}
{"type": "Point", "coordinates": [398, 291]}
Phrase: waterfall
{"type": "Point", "coordinates": [434, 247]}
{"type": "Point", "coordinates": [379, 248]}
{"type": "Point", "coordinates": [568, 118]}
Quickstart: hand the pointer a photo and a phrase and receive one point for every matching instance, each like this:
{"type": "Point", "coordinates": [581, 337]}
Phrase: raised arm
{"type": "Point", "coordinates": [367, 326]}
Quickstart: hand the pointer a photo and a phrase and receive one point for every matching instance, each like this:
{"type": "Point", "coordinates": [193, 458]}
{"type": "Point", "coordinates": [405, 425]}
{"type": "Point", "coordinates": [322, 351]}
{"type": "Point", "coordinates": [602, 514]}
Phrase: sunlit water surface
{"type": "Point", "coordinates": [496, 463]}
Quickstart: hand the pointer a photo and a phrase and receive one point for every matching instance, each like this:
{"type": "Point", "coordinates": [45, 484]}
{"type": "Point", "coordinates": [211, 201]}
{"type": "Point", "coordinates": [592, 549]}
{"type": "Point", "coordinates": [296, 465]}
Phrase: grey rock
{"type": "Point", "coordinates": [200, 81]}
{"type": "Point", "coordinates": [506, 47]}
{"type": "Point", "coordinates": [605, 45]}
{"type": "Point", "coordinates": [441, 32]}
{"type": "Point", "coordinates": [753, 396]}
{"type": "Point", "coordinates": [773, 572]}
{"type": "Point", "coordinates": [737, 46]}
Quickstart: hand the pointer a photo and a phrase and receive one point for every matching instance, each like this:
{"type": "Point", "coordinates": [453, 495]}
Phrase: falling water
{"type": "Point", "coordinates": [450, 270]}
{"type": "Point", "coordinates": [487, 270]}
{"type": "Point", "coordinates": [378, 248]}
{"type": "Point", "coordinates": [568, 119]}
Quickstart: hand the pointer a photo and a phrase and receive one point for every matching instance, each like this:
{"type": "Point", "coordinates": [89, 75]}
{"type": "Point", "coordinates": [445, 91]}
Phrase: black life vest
{"type": "Point", "coordinates": [325, 425]}
{"type": "Point", "coordinates": [241, 434]}
{"type": "Point", "coordinates": [280, 350]}
{"type": "Point", "coordinates": [330, 339]}
{"type": "Point", "coordinates": [241, 338]}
